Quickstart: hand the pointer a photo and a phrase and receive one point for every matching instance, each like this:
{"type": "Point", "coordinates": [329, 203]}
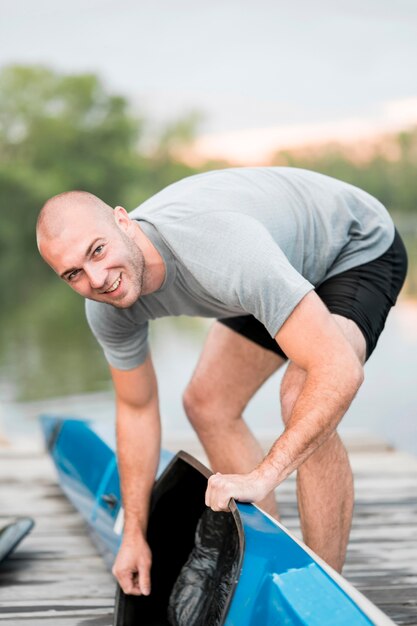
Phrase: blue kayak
{"type": "Point", "coordinates": [12, 534]}
{"type": "Point", "coordinates": [239, 568]}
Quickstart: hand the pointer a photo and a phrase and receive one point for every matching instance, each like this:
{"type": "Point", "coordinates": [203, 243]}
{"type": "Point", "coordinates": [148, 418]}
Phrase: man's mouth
{"type": "Point", "coordinates": [114, 285]}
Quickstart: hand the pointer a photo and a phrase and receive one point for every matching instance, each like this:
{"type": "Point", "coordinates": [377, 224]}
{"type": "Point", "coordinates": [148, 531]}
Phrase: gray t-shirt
{"type": "Point", "coordinates": [243, 241]}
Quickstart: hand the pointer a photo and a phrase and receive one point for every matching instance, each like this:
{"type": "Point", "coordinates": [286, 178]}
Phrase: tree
{"type": "Point", "coordinates": [60, 132]}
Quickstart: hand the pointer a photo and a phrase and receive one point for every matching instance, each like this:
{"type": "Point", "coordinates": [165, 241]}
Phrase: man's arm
{"type": "Point", "coordinates": [313, 341]}
{"type": "Point", "coordinates": [138, 445]}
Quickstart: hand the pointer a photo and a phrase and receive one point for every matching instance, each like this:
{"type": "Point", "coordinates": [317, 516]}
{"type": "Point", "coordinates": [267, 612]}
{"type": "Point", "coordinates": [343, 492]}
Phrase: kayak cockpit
{"type": "Point", "coordinates": [197, 554]}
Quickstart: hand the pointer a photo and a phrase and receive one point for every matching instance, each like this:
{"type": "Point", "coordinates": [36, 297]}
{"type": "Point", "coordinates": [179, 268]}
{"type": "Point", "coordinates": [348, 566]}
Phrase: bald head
{"type": "Point", "coordinates": [59, 211]}
{"type": "Point", "coordinates": [95, 249]}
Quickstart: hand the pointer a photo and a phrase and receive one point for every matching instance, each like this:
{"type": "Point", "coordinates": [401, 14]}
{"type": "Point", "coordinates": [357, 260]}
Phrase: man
{"type": "Point", "coordinates": [296, 266]}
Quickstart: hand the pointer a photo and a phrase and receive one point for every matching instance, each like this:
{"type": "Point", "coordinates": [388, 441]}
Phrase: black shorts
{"type": "Point", "coordinates": [364, 294]}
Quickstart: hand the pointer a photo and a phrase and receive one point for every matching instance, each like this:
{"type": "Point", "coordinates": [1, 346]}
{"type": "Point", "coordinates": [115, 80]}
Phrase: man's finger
{"type": "Point", "coordinates": [127, 580]}
{"type": "Point", "coordinates": [207, 496]}
{"type": "Point", "coordinates": [217, 495]}
{"type": "Point", "coordinates": [144, 581]}
{"type": "Point", "coordinates": [212, 483]}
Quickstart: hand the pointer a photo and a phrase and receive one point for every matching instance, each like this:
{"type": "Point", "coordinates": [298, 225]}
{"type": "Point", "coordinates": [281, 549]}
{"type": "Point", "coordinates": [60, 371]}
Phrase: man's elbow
{"type": "Point", "coordinates": [345, 374]}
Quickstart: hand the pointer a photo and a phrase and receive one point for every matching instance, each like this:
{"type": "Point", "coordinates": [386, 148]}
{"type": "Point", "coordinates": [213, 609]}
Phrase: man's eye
{"type": "Point", "coordinates": [98, 250]}
{"type": "Point", "coordinates": [73, 275]}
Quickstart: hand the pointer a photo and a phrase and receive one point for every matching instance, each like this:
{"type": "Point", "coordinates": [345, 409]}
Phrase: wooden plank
{"type": "Point", "coordinates": [57, 577]}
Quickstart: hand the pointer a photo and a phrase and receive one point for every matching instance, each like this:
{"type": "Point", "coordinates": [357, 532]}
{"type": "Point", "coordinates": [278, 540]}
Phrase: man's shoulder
{"type": "Point", "coordinates": [102, 316]}
{"type": "Point", "coordinates": [95, 309]}
{"type": "Point", "coordinates": [122, 338]}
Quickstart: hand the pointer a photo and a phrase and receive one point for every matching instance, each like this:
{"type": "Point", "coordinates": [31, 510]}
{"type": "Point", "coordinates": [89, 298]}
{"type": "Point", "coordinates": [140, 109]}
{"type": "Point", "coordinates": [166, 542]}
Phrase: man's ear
{"type": "Point", "coordinates": [122, 219]}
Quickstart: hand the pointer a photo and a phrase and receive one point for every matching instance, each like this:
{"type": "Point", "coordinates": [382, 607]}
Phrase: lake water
{"type": "Point", "coordinates": [386, 405]}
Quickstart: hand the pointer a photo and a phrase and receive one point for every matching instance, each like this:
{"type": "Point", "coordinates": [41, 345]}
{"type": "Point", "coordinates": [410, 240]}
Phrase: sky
{"type": "Point", "coordinates": [263, 73]}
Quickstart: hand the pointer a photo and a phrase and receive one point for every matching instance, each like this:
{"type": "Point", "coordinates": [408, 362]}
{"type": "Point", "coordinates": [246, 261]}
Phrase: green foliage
{"type": "Point", "coordinates": [390, 174]}
{"type": "Point", "coordinates": [65, 131]}
{"type": "Point", "coordinates": [61, 132]}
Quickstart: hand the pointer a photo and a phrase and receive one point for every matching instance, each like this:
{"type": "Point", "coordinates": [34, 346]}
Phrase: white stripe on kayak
{"type": "Point", "coordinates": [119, 522]}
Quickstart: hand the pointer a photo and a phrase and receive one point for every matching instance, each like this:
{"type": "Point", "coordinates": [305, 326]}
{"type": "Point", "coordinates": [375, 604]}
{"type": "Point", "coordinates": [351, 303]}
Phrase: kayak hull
{"type": "Point", "coordinates": [271, 577]}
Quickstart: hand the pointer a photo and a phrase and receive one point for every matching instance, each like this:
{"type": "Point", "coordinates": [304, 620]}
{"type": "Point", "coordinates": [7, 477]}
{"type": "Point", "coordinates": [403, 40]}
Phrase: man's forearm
{"type": "Point", "coordinates": [323, 401]}
{"type": "Point", "coordinates": [138, 443]}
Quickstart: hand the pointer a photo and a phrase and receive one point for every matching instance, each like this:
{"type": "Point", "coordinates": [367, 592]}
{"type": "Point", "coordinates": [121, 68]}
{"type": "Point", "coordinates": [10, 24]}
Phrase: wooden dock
{"type": "Point", "coordinates": [56, 576]}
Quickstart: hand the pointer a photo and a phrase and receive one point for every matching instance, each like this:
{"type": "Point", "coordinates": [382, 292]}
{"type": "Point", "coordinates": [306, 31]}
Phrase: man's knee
{"type": "Point", "coordinates": [206, 408]}
{"type": "Point", "coordinates": [198, 405]}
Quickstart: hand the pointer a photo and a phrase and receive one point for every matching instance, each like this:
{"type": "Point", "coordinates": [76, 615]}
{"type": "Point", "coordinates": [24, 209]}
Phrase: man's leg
{"type": "Point", "coordinates": [230, 370]}
{"type": "Point", "coordinates": [324, 481]}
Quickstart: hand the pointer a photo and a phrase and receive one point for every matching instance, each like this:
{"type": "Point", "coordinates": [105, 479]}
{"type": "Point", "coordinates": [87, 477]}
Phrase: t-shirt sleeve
{"type": "Point", "coordinates": [123, 340]}
{"type": "Point", "coordinates": [235, 258]}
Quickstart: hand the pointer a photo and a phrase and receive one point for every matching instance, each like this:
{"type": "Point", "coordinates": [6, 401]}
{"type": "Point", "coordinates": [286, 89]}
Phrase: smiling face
{"type": "Point", "coordinates": [92, 248]}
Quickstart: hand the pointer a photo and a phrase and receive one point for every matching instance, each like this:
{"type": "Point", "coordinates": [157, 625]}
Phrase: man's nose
{"type": "Point", "coordinates": [96, 276]}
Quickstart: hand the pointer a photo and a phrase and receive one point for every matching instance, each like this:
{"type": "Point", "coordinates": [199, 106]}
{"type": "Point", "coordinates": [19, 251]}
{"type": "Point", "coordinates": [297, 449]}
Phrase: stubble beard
{"type": "Point", "coordinates": [136, 267]}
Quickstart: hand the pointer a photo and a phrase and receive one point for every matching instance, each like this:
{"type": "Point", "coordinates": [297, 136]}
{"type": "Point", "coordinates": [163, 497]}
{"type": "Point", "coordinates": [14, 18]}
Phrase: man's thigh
{"type": "Point", "coordinates": [231, 369]}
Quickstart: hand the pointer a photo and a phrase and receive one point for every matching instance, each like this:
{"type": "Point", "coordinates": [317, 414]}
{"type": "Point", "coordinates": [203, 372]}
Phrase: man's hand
{"type": "Point", "coordinates": [242, 487]}
{"type": "Point", "coordinates": [132, 566]}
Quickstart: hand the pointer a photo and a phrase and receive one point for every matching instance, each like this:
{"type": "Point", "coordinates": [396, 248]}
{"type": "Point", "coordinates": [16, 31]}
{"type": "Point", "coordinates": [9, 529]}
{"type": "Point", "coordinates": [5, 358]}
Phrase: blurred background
{"type": "Point", "coordinates": [123, 97]}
